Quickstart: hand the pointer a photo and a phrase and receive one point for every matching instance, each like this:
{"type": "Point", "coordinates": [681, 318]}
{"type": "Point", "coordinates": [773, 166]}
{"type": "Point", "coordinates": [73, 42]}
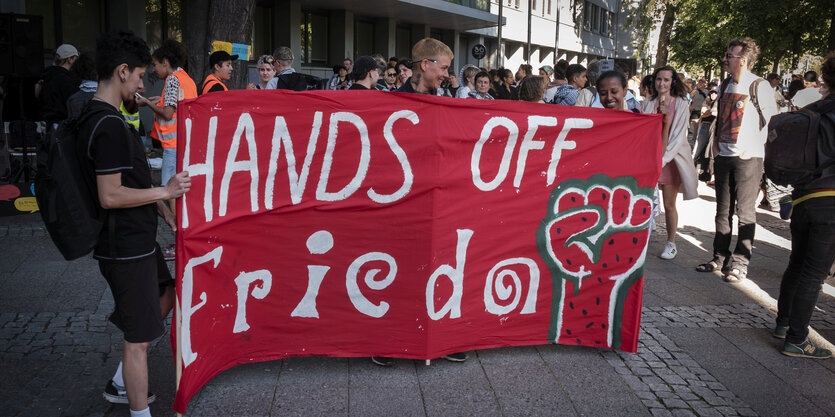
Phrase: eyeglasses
{"type": "Point", "coordinates": [391, 74]}
{"type": "Point", "coordinates": [729, 56]}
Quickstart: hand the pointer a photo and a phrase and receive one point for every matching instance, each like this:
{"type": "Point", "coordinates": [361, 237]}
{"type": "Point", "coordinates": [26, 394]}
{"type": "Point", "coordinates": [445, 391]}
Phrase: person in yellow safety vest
{"type": "Point", "coordinates": [131, 117]}
{"type": "Point", "coordinates": [221, 63]}
{"type": "Point", "coordinates": [167, 60]}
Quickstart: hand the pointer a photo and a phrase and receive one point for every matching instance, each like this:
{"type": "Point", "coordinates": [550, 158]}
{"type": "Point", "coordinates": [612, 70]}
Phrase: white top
{"type": "Point", "coordinates": [740, 134]}
{"type": "Point", "coordinates": [806, 96]}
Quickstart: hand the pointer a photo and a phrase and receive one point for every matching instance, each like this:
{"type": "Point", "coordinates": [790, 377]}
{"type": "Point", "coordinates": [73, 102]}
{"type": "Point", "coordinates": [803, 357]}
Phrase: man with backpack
{"type": "Point", "coordinates": [746, 103]}
{"type": "Point", "coordinates": [812, 216]}
{"type": "Point", "coordinates": [113, 160]}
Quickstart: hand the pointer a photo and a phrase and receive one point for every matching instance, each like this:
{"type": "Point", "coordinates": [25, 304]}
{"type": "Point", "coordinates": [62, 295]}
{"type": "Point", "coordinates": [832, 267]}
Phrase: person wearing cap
{"type": "Point", "coordinates": [221, 63]}
{"type": "Point", "coordinates": [545, 72]}
{"type": "Point", "coordinates": [58, 86]}
{"type": "Point", "coordinates": [365, 73]}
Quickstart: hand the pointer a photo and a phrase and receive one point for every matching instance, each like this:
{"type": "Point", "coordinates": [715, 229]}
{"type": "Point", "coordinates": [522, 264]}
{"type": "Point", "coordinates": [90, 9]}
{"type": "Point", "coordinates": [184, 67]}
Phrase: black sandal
{"type": "Point", "coordinates": [708, 266]}
{"type": "Point", "coordinates": [736, 275]}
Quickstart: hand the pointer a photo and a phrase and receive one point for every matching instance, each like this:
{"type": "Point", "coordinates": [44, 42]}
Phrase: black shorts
{"type": "Point", "coordinates": [137, 286]}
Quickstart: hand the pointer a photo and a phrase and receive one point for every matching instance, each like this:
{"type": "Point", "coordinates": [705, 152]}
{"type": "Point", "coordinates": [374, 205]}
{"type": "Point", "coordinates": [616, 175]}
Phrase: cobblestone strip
{"type": "Point", "coordinates": [75, 346]}
{"type": "Point", "coordinates": [671, 383]}
{"type": "Point", "coordinates": [22, 230]}
{"type": "Point", "coordinates": [728, 316]}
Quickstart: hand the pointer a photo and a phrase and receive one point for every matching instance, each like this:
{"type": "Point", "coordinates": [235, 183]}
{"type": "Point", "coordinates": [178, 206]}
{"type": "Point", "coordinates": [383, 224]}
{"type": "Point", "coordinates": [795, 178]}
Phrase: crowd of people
{"type": "Point", "coordinates": [720, 125]}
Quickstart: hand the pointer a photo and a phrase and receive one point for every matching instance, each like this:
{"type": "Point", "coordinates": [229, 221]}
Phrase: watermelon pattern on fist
{"type": "Point", "coordinates": [594, 239]}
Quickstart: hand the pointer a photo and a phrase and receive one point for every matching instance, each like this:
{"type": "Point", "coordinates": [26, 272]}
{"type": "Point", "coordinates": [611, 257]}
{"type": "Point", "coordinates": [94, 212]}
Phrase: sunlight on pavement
{"type": "Point", "coordinates": [692, 214]}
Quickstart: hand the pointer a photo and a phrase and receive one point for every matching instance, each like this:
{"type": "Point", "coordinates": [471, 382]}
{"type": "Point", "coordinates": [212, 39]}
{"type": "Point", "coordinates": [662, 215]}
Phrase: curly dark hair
{"type": "Point", "coordinates": [175, 52]}
{"type": "Point", "coordinates": [119, 47]}
{"type": "Point", "coordinates": [611, 74]}
{"type": "Point", "coordinates": [84, 68]}
{"type": "Point", "coordinates": [794, 87]}
{"type": "Point", "coordinates": [676, 86]}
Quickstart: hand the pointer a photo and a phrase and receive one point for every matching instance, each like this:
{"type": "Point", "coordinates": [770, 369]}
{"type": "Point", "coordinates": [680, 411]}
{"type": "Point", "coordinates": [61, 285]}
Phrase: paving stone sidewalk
{"type": "Point", "coordinates": [705, 349]}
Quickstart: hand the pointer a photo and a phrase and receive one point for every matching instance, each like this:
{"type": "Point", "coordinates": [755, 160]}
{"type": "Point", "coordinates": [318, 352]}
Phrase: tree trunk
{"type": "Point", "coordinates": [217, 20]}
{"type": "Point", "coordinates": [663, 50]}
{"type": "Point", "coordinates": [795, 50]}
{"type": "Point", "coordinates": [194, 37]}
{"type": "Point", "coordinates": [776, 65]}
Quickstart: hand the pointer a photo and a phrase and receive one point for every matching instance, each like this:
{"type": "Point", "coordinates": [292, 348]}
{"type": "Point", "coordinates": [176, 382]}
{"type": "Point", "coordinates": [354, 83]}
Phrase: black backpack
{"type": "Point", "coordinates": [66, 193]}
{"type": "Point", "coordinates": [791, 152]}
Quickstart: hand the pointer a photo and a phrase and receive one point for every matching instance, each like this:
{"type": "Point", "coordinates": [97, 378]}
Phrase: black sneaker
{"type": "Point", "coordinates": [780, 331]}
{"type": "Point", "coordinates": [456, 357]}
{"type": "Point", "coordinates": [116, 394]}
{"type": "Point", "coordinates": [805, 350]}
{"type": "Point", "coordinates": [382, 361]}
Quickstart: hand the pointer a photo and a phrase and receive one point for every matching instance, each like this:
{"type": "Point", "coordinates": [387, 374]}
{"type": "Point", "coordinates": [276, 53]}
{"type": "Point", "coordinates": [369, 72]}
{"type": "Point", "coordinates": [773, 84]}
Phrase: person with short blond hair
{"type": "Point", "coordinates": [431, 59]}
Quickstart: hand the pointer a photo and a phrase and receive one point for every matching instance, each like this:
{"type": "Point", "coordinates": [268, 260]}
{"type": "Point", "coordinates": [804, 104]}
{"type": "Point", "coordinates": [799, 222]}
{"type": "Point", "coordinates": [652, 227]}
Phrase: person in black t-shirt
{"type": "Point", "coordinates": [365, 74]}
{"type": "Point", "coordinates": [127, 252]}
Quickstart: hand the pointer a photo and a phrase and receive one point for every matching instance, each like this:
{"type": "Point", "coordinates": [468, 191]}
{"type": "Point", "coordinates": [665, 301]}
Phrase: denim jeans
{"type": "Point", "coordinates": [813, 251]}
{"type": "Point", "coordinates": [737, 186]}
{"type": "Point", "coordinates": [169, 164]}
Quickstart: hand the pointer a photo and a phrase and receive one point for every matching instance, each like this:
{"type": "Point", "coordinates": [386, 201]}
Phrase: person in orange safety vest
{"type": "Point", "coordinates": [221, 63]}
{"type": "Point", "coordinates": [168, 60]}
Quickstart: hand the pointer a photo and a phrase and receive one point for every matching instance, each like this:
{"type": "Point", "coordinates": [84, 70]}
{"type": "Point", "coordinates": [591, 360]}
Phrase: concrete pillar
{"type": "Point", "coordinates": [385, 32]}
{"type": "Point", "coordinates": [125, 14]}
{"type": "Point", "coordinates": [459, 49]}
{"type": "Point", "coordinates": [419, 32]}
{"type": "Point", "coordinates": [340, 36]}
{"type": "Point", "coordinates": [287, 21]}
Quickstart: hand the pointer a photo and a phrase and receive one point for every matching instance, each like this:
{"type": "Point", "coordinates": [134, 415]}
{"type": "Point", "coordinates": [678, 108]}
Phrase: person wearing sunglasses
{"type": "Point", "coordinates": [390, 78]}
{"type": "Point", "coordinates": [431, 60]}
{"type": "Point", "coordinates": [738, 151]}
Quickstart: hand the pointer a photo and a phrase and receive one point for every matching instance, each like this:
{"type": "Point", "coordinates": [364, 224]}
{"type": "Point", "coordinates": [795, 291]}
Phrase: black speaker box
{"type": "Point", "coordinates": [21, 45]}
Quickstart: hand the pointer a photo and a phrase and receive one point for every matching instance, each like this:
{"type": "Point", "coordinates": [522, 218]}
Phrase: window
{"type": "Point", "coordinates": [81, 23]}
{"type": "Point", "coordinates": [587, 15]}
{"type": "Point", "coordinates": [262, 32]}
{"type": "Point", "coordinates": [599, 20]}
{"type": "Point", "coordinates": [604, 22]}
{"type": "Point", "coordinates": [314, 31]}
{"type": "Point", "coordinates": [363, 38]}
{"type": "Point", "coordinates": [403, 42]}
{"type": "Point", "coordinates": [163, 19]}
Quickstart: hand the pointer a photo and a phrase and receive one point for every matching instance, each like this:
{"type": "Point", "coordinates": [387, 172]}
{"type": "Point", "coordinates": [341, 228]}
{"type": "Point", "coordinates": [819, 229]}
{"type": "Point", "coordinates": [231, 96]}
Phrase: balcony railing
{"type": "Point", "coordinates": [474, 4]}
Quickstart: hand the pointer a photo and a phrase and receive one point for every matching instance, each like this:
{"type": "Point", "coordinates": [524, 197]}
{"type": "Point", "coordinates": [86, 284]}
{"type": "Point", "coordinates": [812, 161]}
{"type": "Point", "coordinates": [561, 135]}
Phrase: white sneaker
{"type": "Point", "coordinates": [670, 251]}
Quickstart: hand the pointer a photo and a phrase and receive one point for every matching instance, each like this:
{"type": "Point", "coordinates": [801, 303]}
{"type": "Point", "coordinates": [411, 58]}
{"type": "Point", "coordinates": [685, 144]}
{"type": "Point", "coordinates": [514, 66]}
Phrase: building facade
{"type": "Point", "coordinates": [324, 32]}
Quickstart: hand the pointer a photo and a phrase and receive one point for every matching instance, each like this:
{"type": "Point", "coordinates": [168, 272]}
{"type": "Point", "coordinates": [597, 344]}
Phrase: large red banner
{"type": "Point", "coordinates": [358, 223]}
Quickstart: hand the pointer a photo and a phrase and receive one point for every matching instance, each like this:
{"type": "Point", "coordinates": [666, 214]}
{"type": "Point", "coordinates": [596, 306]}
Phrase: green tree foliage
{"type": "Point", "coordinates": [642, 15]}
{"type": "Point", "coordinates": [783, 30]}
